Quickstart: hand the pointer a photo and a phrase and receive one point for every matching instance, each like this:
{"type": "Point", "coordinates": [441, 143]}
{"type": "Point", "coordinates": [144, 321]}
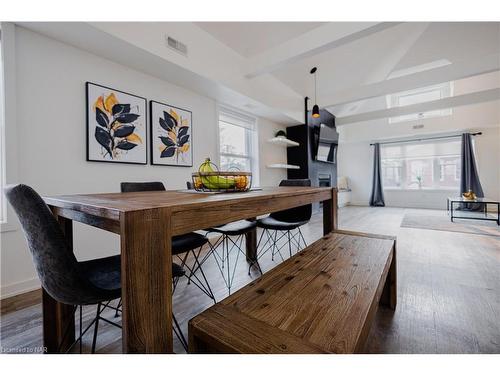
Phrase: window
{"type": "Point", "coordinates": [421, 165]}
{"type": "Point", "coordinates": [421, 95]}
{"type": "Point", "coordinates": [238, 146]}
{"type": "Point", "coordinates": [449, 170]}
{"type": "Point", "coordinates": [3, 216]}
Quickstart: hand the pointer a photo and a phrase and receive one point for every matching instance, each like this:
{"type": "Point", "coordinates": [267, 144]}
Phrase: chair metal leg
{"type": "Point", "coordinates": [229, 245]}
{"type": "Point", "coordinates": [95, 322]}
{"type": "Point", "coordinates": [210, 292]}
{"type": "Point", "coordinates": [289, 243]}
{"type": "Point", "coordinates": [179, 334]}
{"type": "Point", "coordinates": [184, 263]}
{"type": "Point", "coordinates": [228, 268]}
{"type": "Point", "coordinates": [259, 254]}
{"type": "Point", "coordinates": [238, 243]}
{"type": "Point", "coordinates": [117, 308]}
{"type": "Point", "coordinates": [66, 333]}
{"type": "Point", "coordinates": [302, 237]}
{"type": "Point", "coordinates": [277, 249]}
{"type": "Point", "coordinates": [274, 245]}
{"type": "Point", "coordinates": [96, 327]}
{"type": "Point", "coordinates": [81, 329]}
{"type": "Point", "coordinates": [203, 284]}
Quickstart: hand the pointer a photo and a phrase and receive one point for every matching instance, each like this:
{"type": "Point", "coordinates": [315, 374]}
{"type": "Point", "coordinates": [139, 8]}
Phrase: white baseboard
{"type": "Point", "coordinates": [20, 287]}
{"type": "Point", "coordinates": [359, 203]}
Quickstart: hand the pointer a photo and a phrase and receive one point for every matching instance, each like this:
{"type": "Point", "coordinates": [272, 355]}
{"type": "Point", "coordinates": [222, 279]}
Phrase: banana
{"type": "Point", "coordinates": [214, 182]}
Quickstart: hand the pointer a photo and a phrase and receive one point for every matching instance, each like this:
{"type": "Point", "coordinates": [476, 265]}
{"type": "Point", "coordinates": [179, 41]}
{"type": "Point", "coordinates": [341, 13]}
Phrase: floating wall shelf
{"type": "Point", "coordinates": [283, 166]}
{"type": "Point", "coordinates": [282, 141]}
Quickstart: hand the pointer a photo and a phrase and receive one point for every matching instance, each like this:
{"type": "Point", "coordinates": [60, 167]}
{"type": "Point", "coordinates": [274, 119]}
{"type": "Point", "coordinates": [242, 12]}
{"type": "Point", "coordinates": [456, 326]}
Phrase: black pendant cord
{"type": "Point", "coordinates": [315, 88]}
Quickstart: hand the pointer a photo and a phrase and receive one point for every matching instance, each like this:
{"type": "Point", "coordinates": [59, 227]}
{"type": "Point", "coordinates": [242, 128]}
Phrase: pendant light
{"type": "Point", "coordinates": [315, 110]}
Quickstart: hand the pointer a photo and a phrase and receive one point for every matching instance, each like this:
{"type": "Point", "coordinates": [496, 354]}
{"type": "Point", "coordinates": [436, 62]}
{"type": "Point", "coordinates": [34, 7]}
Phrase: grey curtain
{"type": "Point", "coordinates": [469, 179]}
{"type": "Point", "coordinates": [377, 196]}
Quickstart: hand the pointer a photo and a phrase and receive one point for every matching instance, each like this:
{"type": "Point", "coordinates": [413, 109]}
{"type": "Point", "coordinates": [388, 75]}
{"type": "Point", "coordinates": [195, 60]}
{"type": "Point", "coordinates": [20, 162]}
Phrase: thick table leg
{"type": "Point", "coordinates": [146, 281]}
{"type": "Point", "coordinates": [330, 218]}
{"type": "Point", "coordinates": [58, 324]}
{"type": "Point", "coordinates": [251, 244]}
{"type": "Point", "coordinates": [58, 318]}
{"type": "Point", "coordinates": [389, 294]}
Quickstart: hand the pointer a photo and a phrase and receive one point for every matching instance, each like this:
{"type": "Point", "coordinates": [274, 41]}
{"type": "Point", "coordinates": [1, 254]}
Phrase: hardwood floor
{"type": "Point", "coordinates": [448, 292]}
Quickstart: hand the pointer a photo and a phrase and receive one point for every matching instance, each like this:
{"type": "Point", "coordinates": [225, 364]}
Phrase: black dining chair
{"type": "Point", "coordinates": [282, 224]}
{"type": "Point", "coordinates": [63, 277]}
{"type": "Point", "coordinates": [231, 240]}
{"type": "Point", "coordinates": [183, 246]}
{"type": "Point", "coordinates": [225, 245]}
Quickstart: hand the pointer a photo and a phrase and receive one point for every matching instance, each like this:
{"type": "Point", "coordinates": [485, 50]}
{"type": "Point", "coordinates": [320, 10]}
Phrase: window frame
{"type": "Point", "coordinates": [3, 154]}
{"type": "Point", "coordinates": [393, 101]}
{"type": "Point", "coordinates": [9, 157]}
{"type": "Point", "coordinates": [251, 139]}
{"type": "Point", "coordinates": [436, 163]}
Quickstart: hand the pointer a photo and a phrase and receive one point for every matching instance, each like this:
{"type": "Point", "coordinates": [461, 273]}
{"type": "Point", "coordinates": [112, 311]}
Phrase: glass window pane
{"type": "Point", "coordinates": [419, 97]}
{"type": "Point", "coordinates": [232, 163]}
{"type": "Point", "coordinates": [449, 174]}
{"type": "Point", "coordinates": [419, 173]}
{"type": "Point", "coordinates": [422, 165]}
{"type": "Point", "coordinates": [232, 139]}
{"type": "Point", "coordinates": [391, 173]}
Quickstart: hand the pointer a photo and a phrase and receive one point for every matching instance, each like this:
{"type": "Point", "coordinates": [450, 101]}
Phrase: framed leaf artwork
{"type": "Point", "coordinates": [171, 135]}
{"type": "Point", "coordinates": [116, 126]}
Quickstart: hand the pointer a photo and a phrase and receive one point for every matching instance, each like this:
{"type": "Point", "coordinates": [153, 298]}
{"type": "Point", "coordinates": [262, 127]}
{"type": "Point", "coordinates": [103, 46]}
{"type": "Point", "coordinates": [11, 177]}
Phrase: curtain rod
{"type": "Point", "coordinates": [425, 139]}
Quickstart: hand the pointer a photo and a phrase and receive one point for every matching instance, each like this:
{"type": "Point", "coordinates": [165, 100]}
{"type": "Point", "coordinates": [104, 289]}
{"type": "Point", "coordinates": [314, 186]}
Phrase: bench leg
{"type": "Point", "coordinates": [389, 294]}
{"type": "Point", "coordinates": [195, 345]}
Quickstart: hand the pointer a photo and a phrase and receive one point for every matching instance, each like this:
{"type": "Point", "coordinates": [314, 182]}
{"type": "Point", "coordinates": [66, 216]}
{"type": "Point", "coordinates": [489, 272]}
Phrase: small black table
{"type": "Point", "coordinates": [482, 201]}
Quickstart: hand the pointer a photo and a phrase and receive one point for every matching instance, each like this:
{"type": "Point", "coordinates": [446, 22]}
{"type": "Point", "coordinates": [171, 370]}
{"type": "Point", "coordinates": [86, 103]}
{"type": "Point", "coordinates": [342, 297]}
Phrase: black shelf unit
{"type": "Point", "coordinates": [320, 173]}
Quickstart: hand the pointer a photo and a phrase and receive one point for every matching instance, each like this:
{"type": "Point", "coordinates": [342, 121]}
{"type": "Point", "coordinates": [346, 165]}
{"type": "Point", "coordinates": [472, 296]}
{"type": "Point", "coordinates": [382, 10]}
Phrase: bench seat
{"type": "Point", "coordinates": [321, 300]}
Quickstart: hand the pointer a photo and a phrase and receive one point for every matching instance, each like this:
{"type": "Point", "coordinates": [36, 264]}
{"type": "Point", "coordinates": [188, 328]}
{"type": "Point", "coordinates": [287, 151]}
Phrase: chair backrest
{"type": "Point", "coordinates": [54, 260]}
{"type": "Point", "coordinates": [127, 187]}
{"type": "Point", "coordinates": [296, 214]}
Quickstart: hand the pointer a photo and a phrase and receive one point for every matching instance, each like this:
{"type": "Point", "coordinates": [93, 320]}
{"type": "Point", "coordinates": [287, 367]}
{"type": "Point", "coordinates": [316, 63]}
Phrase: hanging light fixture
{"type": "Point", "coordinates": [315, 110]}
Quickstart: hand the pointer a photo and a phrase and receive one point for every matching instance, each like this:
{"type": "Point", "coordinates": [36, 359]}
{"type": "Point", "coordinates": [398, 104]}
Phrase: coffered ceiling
{"type": "Point", "coordinates": [263, 67]}
{"type": "Point", "coordinates": [252, 38]}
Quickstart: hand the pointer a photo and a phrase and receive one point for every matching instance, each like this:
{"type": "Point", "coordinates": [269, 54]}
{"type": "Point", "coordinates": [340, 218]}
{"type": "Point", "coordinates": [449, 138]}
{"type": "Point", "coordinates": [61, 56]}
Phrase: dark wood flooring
{"type": "Point", "coordinates": [448, 293]}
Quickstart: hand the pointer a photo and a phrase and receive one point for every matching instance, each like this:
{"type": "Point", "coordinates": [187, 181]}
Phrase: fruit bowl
{"type": "Point", "coordinates": [209, 179]}
{"type": "Point", "coordinates": [222, 181]}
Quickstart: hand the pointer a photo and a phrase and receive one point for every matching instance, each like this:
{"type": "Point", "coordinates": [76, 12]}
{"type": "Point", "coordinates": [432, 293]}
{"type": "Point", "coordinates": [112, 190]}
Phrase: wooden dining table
{"type": "Point", "coordinates": [146, 222]}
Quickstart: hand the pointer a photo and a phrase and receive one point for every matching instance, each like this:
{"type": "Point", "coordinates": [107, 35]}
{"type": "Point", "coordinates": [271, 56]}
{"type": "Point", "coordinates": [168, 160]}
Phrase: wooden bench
{"type": "Point", "coordinates": [321, 300]}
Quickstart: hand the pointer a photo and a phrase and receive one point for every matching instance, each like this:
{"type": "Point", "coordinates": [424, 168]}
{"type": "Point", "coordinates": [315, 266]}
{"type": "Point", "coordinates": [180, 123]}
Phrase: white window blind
{"type": "Point", "coordinates": [238, 148]}
{"type": "Point", "coordinates": [421, 165]}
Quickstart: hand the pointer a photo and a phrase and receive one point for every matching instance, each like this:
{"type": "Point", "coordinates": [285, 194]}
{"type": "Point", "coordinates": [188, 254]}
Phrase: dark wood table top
{"type": "Point", "coordinates": [188, 210]}
{"type": "Point", "coordinates": [135, 201]}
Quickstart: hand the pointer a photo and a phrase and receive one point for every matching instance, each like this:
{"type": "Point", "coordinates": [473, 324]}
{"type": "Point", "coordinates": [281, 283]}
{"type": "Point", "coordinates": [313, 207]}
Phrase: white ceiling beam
{"type": "Point", "coordinates": [451, 102]}
{"type": "Point", "coordinates": [320, 39]}
{"type": "Point", "coordinates": [461, 69]}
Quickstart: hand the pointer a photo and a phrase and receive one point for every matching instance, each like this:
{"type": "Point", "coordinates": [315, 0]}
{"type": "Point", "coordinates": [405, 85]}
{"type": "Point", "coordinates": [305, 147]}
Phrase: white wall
{"type": "Point", "coordinates": [270, 154]}
{"type": "Point", "coordinates": [50, 149]}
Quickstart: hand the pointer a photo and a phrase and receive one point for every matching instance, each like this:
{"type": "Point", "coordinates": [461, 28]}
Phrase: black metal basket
{"type": "Point", "coordinates": [222, 181]}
